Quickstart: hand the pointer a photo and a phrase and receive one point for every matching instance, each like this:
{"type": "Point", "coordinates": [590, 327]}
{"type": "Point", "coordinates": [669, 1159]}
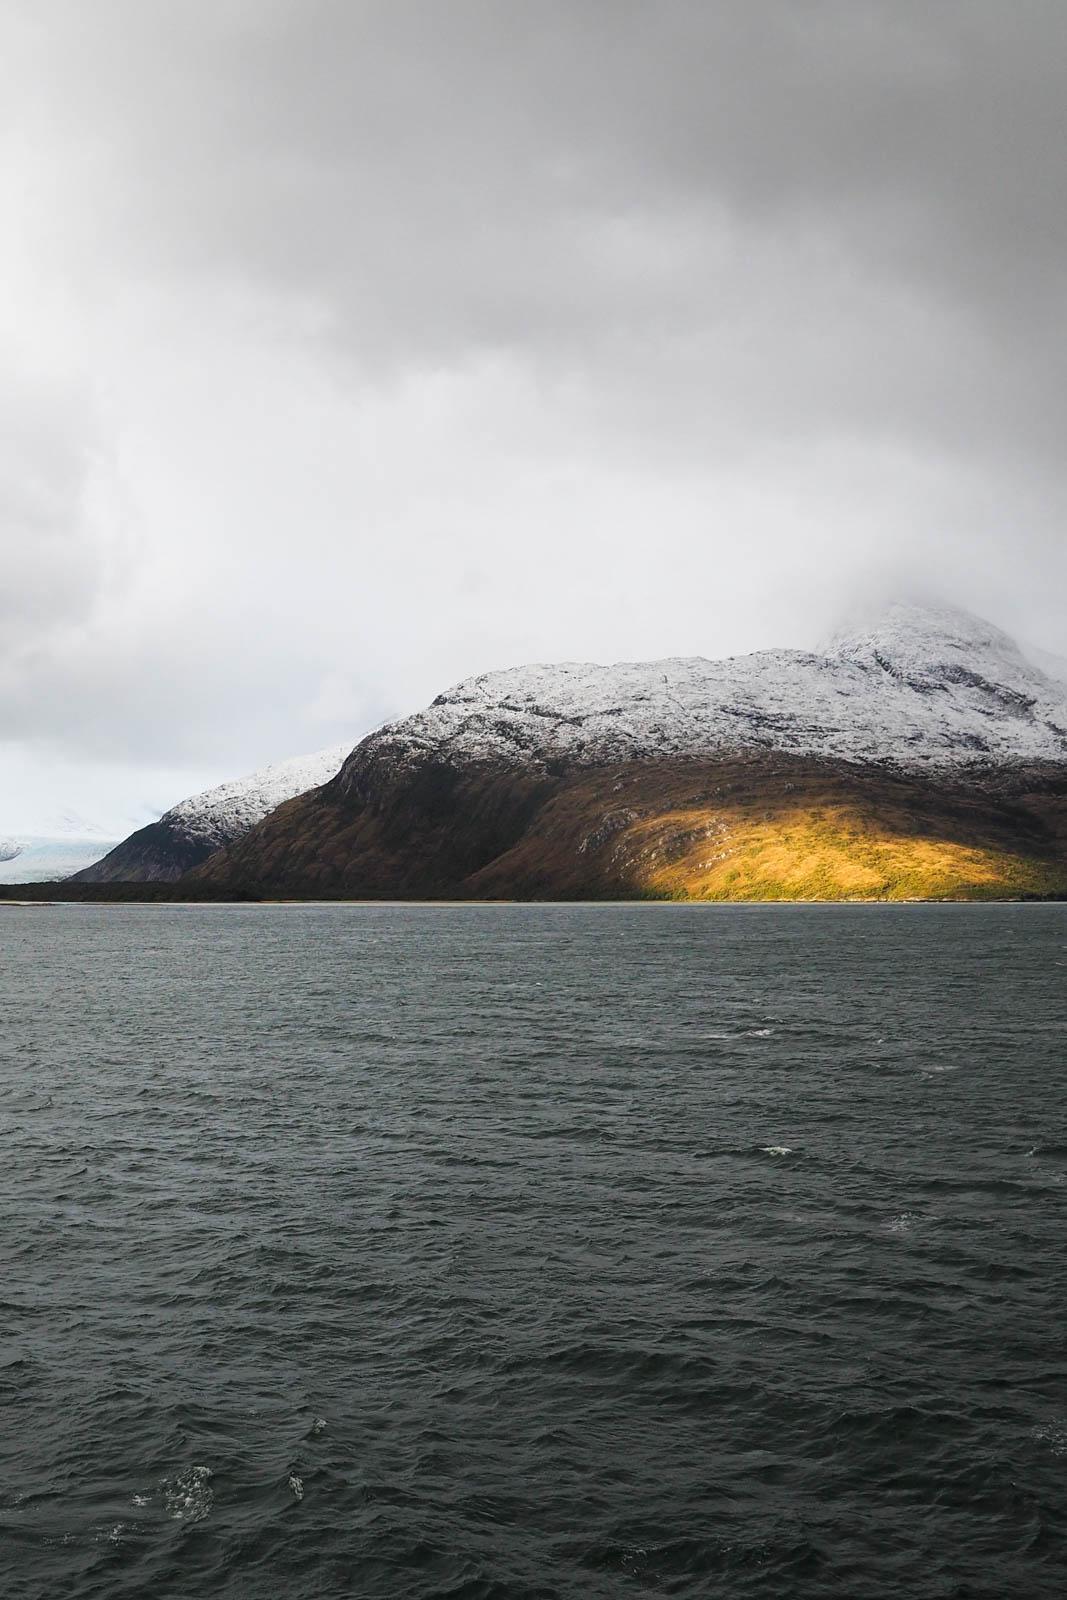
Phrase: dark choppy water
{"type": "Point", "coordinates": [518, 1251]}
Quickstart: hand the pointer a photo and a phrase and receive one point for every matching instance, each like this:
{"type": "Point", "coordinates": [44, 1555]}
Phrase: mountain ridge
{"type": "Point", "coordinates": [912, 692]}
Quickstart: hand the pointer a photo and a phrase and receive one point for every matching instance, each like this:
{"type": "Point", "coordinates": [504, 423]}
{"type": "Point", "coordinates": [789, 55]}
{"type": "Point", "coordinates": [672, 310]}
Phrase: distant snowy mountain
{"type": "Point", "coordinates": [190, 831]}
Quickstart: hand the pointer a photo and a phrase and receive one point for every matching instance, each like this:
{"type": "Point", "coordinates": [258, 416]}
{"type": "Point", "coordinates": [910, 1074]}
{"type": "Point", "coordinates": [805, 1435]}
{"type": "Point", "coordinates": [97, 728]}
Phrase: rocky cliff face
{"type": "Point", "coordinates": [193, 830]}
{"type": "Point", "coordinates": [920, 753]}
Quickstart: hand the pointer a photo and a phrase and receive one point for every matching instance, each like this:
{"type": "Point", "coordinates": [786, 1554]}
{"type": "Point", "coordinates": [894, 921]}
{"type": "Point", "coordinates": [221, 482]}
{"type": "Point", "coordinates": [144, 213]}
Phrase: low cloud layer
{"type": "Point", "coordinates": [347, 348]}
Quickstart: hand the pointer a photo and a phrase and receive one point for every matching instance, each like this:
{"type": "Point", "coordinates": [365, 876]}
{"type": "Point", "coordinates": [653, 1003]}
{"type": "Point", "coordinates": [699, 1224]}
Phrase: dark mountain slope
{"type": "Point", "coordinates": [740, 827]}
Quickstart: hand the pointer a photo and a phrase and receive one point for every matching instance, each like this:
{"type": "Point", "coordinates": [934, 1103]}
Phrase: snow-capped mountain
{"type": "Point", "coordinates": [920, 752]}
{"type": "Point", "coordinates": [190, 831]}
{"type": "Point", "coordinates": [915, 688]}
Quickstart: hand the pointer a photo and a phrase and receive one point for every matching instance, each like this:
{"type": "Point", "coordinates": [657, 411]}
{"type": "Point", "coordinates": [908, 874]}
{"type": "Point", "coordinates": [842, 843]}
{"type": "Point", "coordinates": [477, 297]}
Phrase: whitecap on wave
{"type": "Point", "coordinates": [740, 1033]}
{"type": "Point", "coordinates": [187, 1496]}
{"type": "Point", "coordinates": [1054, 1434]}
{"type": "Point", "coordinates": [902, 1223]}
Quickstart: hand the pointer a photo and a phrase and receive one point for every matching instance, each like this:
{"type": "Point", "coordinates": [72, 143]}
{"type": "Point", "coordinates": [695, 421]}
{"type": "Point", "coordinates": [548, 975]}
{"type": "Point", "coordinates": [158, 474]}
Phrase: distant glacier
{"type": "Point", "coordinates": [41, 858]}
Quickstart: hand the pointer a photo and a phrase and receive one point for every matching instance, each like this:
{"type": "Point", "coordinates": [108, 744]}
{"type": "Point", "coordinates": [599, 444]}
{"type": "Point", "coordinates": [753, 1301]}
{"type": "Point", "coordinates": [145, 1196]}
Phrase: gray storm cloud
{"type": "Point", "coordinates": [347, 348]}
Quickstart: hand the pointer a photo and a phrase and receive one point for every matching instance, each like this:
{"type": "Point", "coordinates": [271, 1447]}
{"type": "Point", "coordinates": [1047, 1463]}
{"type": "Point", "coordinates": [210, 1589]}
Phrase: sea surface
{"type": "Point", "coordinates": [533, 1251]}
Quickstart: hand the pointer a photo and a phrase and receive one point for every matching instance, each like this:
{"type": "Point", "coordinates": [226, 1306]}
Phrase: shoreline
{"type": "Point", "coordinates": [54, 899]}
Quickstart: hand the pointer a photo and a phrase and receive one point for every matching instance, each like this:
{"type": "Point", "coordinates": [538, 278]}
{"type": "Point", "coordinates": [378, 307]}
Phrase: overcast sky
{"type": "Point", "coordinates": [349, 347]}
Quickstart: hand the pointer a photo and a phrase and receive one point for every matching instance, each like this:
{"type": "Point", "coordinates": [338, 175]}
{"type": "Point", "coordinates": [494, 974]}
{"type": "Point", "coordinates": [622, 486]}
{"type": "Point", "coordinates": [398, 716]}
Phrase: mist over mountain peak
{"type": "Point", "coordinates": [928, 644]}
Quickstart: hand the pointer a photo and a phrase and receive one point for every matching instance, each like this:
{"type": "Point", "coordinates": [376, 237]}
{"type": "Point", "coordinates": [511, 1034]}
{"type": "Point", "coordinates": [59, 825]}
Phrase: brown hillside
{"type": "Point", "coordinates": [735, 828]}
